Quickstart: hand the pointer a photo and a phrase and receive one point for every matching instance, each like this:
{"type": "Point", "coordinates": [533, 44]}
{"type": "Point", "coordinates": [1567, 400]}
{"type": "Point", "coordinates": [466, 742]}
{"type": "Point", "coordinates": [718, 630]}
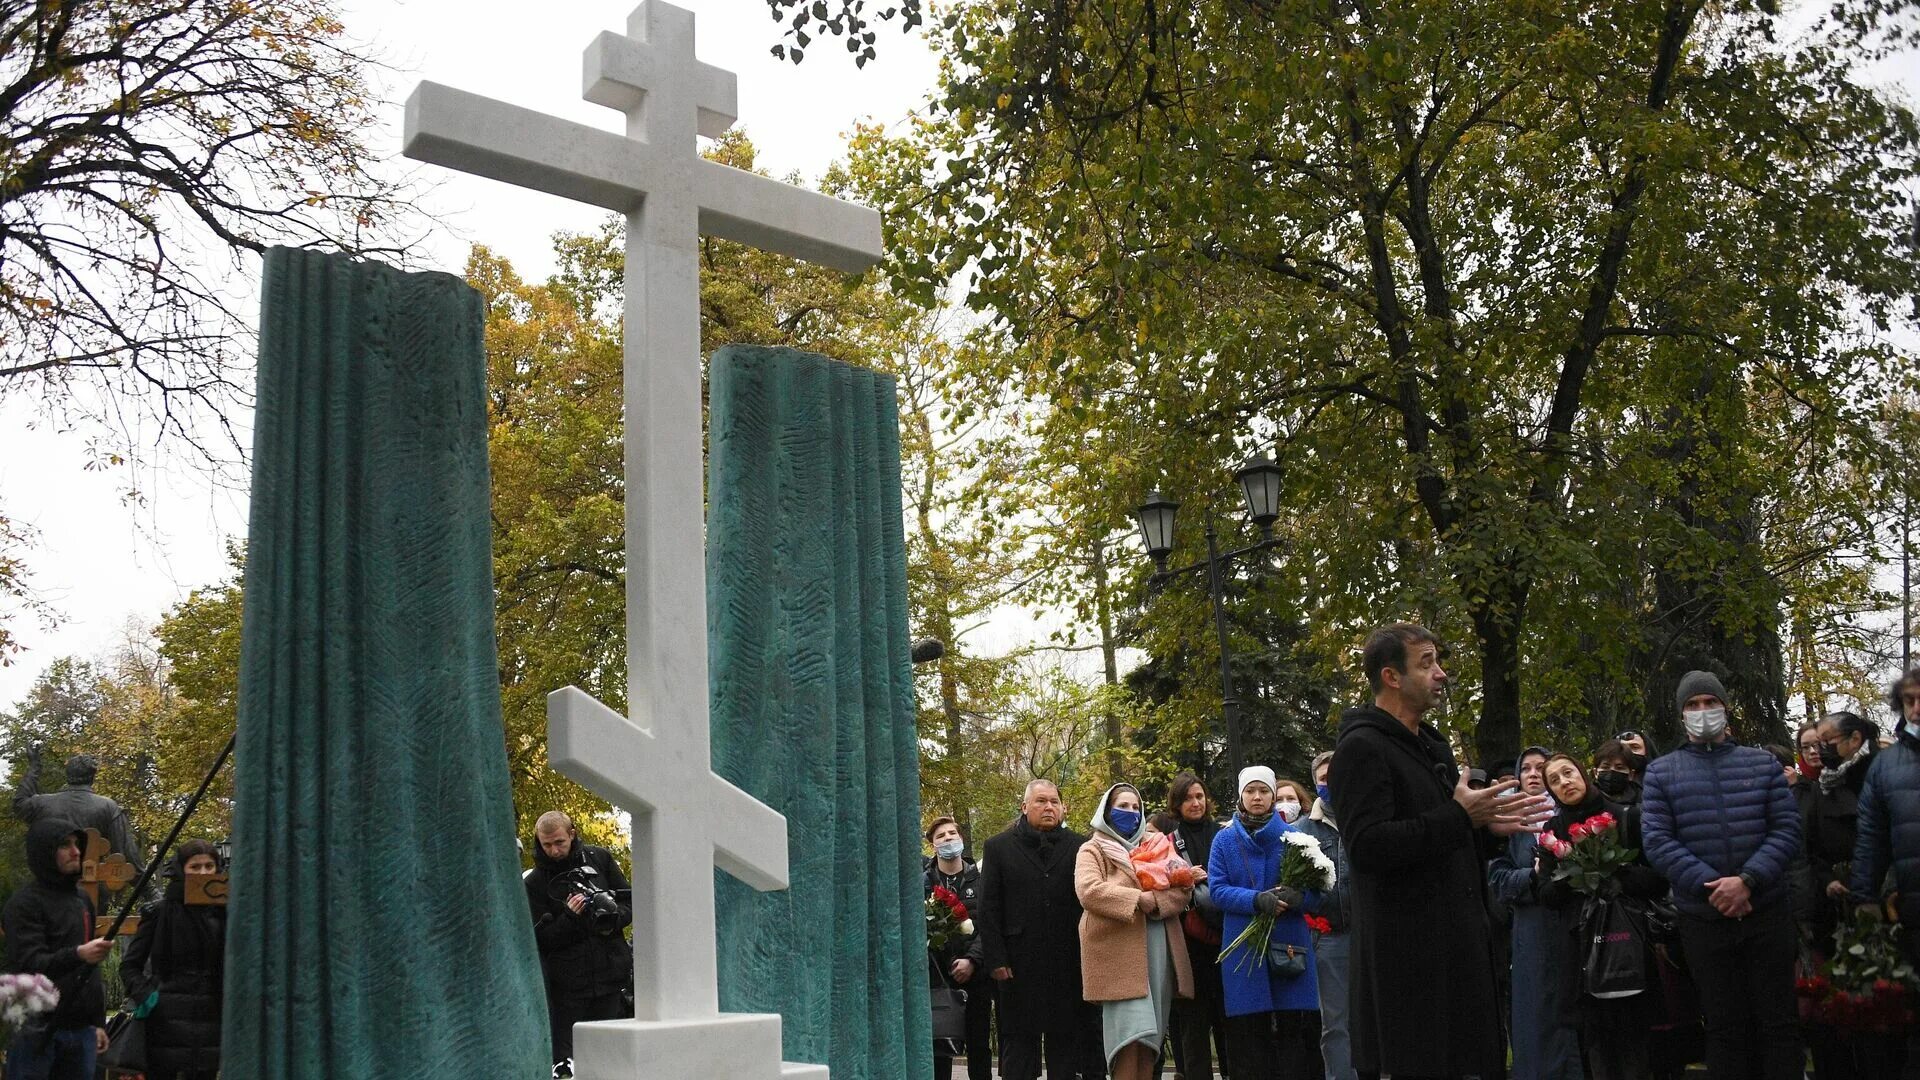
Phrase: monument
{"type": "Point", "coordinates": [78, 803]}
{"type": "Point", "coordinates": [657, 763]}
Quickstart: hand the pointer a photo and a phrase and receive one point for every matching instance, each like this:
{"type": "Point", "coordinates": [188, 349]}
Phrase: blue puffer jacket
{"type": "Point", "coordinates": [1889, 823]}
{"type": "Point", "coordinates": [1714, 810]}
{"type": "Point", "coordinates": [1239, 868]}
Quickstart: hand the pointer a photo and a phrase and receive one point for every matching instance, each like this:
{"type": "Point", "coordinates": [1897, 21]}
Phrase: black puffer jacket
{"type": "Point", "coordinates": [180, 950]}
{"type": "Point", "coordinates": [579, 962]}
{"type": "Point", "coordinates": [46, 922]}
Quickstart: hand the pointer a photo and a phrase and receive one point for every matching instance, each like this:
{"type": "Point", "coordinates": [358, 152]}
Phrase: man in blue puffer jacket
{"type": "Point", "coordinates": [1888, 836]}
{"type": "Point", "coordinates": [1719, 822]}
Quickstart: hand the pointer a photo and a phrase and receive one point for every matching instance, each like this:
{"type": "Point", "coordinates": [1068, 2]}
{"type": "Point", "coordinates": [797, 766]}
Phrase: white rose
{"type": "Point", "coordinates": [967, 927]}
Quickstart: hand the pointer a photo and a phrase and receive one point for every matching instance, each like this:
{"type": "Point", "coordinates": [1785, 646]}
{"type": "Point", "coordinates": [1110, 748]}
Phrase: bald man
{"type": "Point", "coordinates": [588, 965]}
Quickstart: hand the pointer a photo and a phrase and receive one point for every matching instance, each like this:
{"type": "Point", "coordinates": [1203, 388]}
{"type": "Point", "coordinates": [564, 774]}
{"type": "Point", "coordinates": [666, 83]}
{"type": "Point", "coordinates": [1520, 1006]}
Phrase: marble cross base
{"type": "Point", "coordinates": [738, 1046]}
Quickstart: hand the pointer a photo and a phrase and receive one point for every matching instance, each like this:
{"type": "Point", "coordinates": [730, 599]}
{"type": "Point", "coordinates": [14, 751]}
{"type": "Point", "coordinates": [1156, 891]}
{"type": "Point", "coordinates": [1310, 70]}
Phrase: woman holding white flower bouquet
{"type": "Point", "coordinates": [1133, 954]}
{"type": "Point", "coordinates": [1265, 875]}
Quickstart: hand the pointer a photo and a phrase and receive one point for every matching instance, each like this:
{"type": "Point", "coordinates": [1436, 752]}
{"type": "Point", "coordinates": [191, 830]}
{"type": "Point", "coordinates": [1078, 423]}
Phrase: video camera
{"type": "Point", "coordinates": [602, 910]}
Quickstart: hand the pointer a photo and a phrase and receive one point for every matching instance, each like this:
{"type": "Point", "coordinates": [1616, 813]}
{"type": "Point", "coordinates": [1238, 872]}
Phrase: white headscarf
{"type": "Point", "coordinates": [1101, 825]}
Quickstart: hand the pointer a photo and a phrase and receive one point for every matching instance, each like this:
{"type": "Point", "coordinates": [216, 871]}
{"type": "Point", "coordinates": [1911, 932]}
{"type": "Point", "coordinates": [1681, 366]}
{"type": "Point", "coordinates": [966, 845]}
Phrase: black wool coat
{"type": "Point", "coordinates": [1422, 1000]}
{"type": "Point", "coordinates": [1029, 921]}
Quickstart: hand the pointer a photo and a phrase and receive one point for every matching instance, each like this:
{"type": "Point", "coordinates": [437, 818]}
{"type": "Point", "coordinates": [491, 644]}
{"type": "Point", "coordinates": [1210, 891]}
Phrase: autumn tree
{"type": "Point", "coordinates": [149, 144]}
{"type": "Point", "coordinates": [1513, 292]}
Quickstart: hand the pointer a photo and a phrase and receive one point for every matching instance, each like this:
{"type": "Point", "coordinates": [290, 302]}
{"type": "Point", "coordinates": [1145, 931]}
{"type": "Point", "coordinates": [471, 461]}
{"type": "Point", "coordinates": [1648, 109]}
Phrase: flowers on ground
{"type": "Point", "coordinates": [1867, 986]}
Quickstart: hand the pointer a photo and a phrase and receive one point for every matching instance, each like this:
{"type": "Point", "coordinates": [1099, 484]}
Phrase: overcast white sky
{"type": "Point", "coordinates": [102, 562]}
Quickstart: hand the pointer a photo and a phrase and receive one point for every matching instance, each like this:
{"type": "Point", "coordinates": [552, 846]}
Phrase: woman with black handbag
{"type": "Point", "coordinates": [172, 968]}
{"type": "Point", "coordinates": [1615, 1033]}
{"type": "Point", "coordinates": [1272, 1000]}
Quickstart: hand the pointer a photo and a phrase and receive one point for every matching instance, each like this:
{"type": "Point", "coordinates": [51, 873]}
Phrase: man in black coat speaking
{"type": "Point", "coordinates": [1029, 928]}
{"type": "Point", "coordinates": [583, 947]}
{"type": "Point", "coordinates": [1422, 998]}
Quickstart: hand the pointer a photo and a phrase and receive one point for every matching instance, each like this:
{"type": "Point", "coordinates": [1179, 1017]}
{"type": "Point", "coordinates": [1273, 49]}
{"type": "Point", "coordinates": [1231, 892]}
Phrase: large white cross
{"type": "Point", "coordinates": [658, 764]}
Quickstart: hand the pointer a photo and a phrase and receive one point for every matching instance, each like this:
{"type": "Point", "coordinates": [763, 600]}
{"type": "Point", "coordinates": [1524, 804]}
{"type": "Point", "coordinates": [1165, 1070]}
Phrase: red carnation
{"type": "Point", "coordinates": [1318, 925]}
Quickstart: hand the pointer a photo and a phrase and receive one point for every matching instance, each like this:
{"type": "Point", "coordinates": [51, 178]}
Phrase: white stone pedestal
{"type": "Point", "coordinates": [732, 1046]}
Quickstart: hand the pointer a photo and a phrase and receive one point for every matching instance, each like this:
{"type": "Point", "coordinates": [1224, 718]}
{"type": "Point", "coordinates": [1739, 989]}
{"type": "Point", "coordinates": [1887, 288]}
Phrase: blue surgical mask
{"type": "Point", "coordinates": [1321, 790]}
{"type": "Point", "coordinates": [1124, 822]}
{"type": "Point", "coordinates": [951, 849]}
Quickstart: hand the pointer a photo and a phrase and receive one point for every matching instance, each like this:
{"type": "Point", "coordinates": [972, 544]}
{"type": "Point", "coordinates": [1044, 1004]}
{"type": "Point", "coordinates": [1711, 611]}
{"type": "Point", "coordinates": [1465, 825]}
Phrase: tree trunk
{"type": "Point", "coordinates": [1497, 738]}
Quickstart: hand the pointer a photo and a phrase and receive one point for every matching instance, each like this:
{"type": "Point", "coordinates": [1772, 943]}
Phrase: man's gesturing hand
{"type": "Point", "coordinates": [1502, 808]}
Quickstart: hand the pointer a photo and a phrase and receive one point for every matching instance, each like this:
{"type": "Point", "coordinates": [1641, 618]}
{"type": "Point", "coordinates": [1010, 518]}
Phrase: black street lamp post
{"type": "Point", "coordinates": [1260, 483]}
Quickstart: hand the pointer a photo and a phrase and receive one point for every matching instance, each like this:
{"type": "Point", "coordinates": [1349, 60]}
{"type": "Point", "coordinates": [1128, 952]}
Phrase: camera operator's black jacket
{"type": "Point", "coordinates": [46, 920]}
{"type": "Point", "coordinates": [579, 963]}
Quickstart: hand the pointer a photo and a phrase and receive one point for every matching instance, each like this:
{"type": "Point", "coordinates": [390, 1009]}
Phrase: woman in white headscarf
{"type": "Point", "coordinates": [1133, 955]}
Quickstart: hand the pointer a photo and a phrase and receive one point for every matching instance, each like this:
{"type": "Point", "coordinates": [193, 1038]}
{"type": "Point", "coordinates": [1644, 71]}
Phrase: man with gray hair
{"type": "Point", "coordinates": [77, 804]}
{"type": "Point", "coordinates": [1029, 924]}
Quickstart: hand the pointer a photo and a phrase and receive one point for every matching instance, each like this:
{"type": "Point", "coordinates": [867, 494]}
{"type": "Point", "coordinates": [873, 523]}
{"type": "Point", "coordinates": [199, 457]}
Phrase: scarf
{"type": "Point", "coordinates": [1253, 824]}
{"type": "Point", "coordinates": [1042, 841]}
{"type": "Point", "coordinates": [1831, 778]}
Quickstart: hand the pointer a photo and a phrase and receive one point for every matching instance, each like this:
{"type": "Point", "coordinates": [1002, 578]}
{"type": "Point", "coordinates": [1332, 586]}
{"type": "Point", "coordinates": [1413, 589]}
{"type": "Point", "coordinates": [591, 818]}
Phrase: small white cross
{"type": "Point", "coordinates": [658, 764]}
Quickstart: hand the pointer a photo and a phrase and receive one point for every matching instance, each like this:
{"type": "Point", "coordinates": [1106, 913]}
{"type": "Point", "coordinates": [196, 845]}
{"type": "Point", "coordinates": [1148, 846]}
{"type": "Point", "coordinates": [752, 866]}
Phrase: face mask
{"type": "Point", "coordinates": [1612, 784]}
{"type": "Point", "coordinates": [1287, 809]}
{"type": "Point", "coordinates": [1707, 724]}
{"type": "Point", "coordinates": [951, 849]}
{"type": "Point", "coordinates": [1124, 822]}
{"type": "Point", "coordinates": [1321, 791]}
{"type": "Point", "coordinates": [1830, 757]}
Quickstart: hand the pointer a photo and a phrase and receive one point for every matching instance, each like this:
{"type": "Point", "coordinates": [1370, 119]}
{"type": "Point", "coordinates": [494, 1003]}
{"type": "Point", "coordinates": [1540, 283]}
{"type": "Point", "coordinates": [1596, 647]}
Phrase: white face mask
{"type": "Point", "coordinates": [1287, 809]}
{"type": "Point", "coordinates": [950, 850]}
{"type": "Point", "coordinates": [1706, 723]}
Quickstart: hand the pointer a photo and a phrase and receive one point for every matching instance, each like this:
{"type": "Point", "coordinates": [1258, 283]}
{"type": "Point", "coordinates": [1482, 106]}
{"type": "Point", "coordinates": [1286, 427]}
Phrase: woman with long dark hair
{"type": "Point", "coordinates": [1199, 1022]}
{"type": "Point", "coordinates": [178, 953]}
{"type": "Point", "coordinates": [1616, 1033]}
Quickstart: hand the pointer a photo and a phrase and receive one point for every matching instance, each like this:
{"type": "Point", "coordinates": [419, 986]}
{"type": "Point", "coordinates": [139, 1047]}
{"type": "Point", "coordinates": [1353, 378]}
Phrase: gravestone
{"type": "Point", "coordinates": [657, 762]}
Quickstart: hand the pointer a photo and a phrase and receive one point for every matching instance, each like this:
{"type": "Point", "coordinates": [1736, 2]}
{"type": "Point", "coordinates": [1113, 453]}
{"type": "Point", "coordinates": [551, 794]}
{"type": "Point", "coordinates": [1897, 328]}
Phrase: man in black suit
{"type": "Point", "coordinates": [1030, 927]}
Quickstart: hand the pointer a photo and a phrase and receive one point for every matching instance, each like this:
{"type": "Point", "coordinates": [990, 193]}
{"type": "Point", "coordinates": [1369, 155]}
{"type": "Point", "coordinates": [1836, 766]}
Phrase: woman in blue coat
{"type": "Point", "coordinates": [1271, 1026]}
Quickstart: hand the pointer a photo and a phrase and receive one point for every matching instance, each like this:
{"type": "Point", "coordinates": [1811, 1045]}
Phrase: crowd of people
{"type": "Point", "coordinates": [1454, 939]}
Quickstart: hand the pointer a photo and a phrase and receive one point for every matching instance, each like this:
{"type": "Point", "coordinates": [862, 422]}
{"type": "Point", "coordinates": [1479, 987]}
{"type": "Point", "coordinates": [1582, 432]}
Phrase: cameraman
{"type": "Point", "coordinates": [587, 968]}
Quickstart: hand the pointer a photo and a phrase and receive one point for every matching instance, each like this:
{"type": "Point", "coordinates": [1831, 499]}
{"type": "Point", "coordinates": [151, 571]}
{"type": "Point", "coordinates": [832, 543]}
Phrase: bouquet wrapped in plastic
{"type": "Point", "coordinates": [1158, 866]}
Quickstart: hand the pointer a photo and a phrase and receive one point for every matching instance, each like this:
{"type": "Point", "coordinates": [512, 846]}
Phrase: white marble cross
{"type": "Point", "coordinates": [658, 764]}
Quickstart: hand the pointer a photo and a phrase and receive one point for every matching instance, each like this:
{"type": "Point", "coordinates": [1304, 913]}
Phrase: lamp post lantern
{"type": "Point", "coordinates": [1259, 481]}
